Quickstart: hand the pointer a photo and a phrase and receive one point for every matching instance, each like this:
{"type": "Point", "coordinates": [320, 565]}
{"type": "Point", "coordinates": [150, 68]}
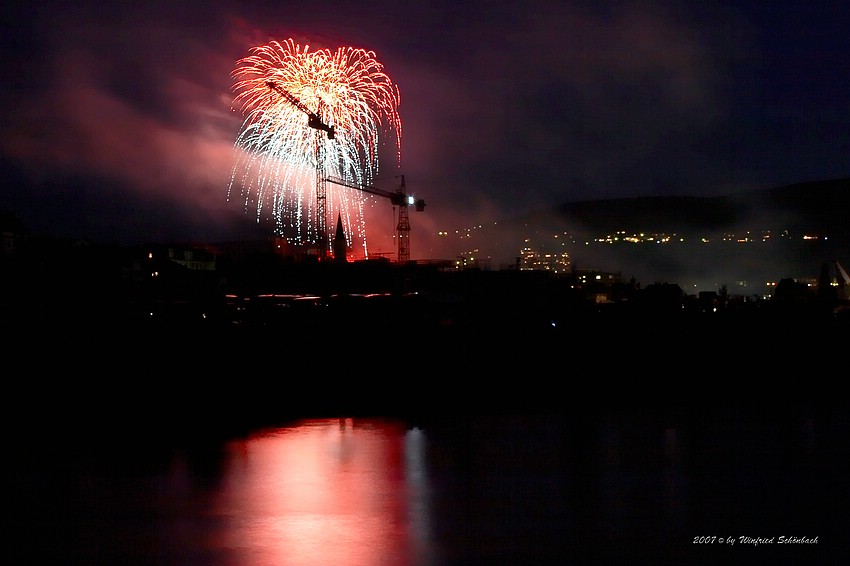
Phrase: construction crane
{"type": "Point", "coordinates": [398, 198]}
{"type": "Point", "coordinates": [314, 121]}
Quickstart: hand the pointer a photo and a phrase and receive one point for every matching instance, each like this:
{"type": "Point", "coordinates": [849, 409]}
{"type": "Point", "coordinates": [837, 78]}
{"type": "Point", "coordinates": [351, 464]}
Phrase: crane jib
{"type": "Point", "coordinates": [313, 120]}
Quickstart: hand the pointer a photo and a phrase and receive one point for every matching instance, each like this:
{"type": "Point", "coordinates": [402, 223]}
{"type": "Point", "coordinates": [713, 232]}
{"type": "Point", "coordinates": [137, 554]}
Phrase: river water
{"type": "Point", "coordinates": [614, 487]}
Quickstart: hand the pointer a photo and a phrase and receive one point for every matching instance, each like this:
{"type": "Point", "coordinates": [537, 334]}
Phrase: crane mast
{"type": "Point", "coordinates": [398, 198]}
{"type": "Point", "coordinates": [314, 121]}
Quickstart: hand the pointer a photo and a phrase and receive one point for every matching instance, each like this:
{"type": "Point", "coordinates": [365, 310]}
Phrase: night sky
{"type": "Point", "coordinates": [118, 126]}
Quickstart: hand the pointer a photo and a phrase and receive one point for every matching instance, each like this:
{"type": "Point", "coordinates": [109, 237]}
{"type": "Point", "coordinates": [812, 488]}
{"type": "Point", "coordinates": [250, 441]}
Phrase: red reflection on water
{"type": "Point", "coordinates": [323, 492]}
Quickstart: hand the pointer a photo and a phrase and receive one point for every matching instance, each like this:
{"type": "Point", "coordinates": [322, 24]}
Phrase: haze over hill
{"type": "Point", "coordinates": [742, 240]}
{"type": "Point", "coordinates": [821, 206]}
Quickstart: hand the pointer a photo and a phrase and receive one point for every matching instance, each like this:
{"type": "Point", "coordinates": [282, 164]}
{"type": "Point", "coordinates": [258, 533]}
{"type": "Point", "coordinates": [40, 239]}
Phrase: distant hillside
{"type": "Point", "coordinates": [652, 214]}
{"type": "Point", "coordinates": [817, 205]}
{"type": "Point", "coordinates": [700, 256]}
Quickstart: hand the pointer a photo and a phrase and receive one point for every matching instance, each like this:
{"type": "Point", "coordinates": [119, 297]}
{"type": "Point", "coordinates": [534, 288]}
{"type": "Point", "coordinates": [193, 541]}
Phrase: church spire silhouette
{"type": "Point", "coordinates": [339, 247]}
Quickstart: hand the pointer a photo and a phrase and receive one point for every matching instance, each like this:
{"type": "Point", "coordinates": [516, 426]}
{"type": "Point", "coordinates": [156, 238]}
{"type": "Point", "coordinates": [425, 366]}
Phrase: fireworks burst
{"type": "Point", "coordinates": [279, 159]}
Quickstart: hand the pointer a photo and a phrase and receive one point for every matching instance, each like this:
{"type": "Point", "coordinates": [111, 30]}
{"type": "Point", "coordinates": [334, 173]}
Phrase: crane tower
{"type": "Point", "coordinates": [314, 121]}
{"type": "Point", "coordinates": [398, 198]}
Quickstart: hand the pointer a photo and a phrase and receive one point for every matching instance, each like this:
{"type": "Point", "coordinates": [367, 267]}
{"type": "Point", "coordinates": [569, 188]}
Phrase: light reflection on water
{"type": "Point", "coordinates": [486, 490]}
{"type": "Point", "coordinates": [322, 492]}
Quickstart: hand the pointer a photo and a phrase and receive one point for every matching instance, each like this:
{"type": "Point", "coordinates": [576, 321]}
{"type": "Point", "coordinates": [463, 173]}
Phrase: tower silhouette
{"type": "Point", "coordinates": [339, 247]}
